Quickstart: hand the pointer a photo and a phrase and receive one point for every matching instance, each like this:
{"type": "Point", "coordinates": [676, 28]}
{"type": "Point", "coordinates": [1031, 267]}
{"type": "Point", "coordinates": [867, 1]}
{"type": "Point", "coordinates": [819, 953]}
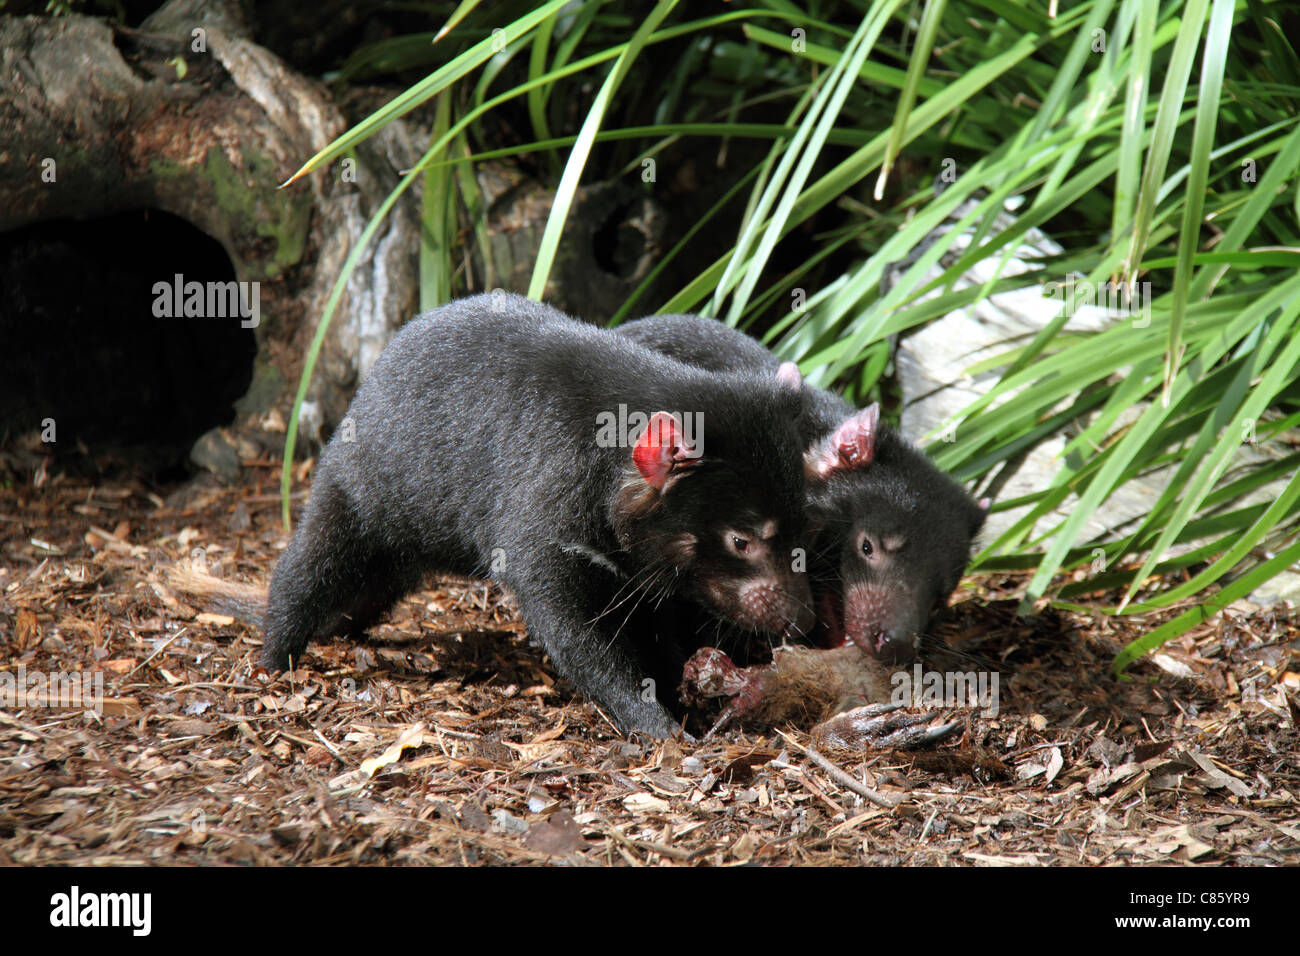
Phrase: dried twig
{"type": "Point", "coordinates": [888, 801]}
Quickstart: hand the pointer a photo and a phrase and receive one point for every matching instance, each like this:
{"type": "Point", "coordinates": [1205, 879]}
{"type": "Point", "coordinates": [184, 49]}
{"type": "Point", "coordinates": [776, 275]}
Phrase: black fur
{"type": "Point", "coordinates": [901, 497]}
{"type": "Point", "coordinates": [474, 452]}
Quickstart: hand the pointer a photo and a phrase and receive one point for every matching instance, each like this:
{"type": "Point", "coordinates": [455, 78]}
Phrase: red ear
{"type": "Point", "coordinates": [660, 447]}
{"type": "Point", "coordinates": [852, 446]}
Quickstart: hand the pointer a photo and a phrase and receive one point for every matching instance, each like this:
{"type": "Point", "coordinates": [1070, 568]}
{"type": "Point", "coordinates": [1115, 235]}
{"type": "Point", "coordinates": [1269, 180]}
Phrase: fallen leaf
{"type": "Point", "coordinates": [558, 835]}
{"type": "Point", "coordinates": [1214, 778]}
{"type": "Point", "coordinates": [645, 803]}
{"type": "Point", "coordinates": [743, 849]}
{"type": "Point", "coordinates": [411, 737]}
{"type": "Point", "coordinates": [27, 631]}
{"type": "Point", "coordinates": [216, 620]}
{"type": "Point", "coordinates": [1054, 764]}
{"type": "Point", "coordinates": [1171, 666]}
{"type": "Point", "coordinates": [551, 734]}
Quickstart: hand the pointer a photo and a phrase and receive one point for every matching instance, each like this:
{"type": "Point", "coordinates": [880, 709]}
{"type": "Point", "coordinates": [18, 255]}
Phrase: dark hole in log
{"type": "Point", "coordinates": [83, 344]}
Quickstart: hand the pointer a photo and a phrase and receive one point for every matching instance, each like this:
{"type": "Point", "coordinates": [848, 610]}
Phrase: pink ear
{"type": "Point", "coordinates": [985, 504]}
{"type": "Point", "coordinates": [788, 375]}
{"type": "Point", "coordinates": [660, 447]}
{"type": "Point", "coordinates": [852, 446]}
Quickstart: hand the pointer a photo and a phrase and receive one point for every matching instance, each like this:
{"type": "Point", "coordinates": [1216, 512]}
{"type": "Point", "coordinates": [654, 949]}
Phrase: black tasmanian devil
{"type": "Point", "coordinates": [895, 533]}
{"type": "Point", "coordinates": [498, 437]}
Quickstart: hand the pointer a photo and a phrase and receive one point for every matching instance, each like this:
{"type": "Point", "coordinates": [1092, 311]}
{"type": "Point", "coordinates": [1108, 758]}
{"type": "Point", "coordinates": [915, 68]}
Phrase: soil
{"type": "Point", "coordinates": [446, 737]}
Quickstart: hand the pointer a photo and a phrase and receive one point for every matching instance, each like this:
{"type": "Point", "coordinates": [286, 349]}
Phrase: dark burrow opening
{"type": "Point", "coordinates": [94, 354]}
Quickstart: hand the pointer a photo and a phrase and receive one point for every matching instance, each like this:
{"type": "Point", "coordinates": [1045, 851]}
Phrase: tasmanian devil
{"type": "Point", "coordinates": [894, 532]}
{"type": "Point", "coordinates": [498, 437]}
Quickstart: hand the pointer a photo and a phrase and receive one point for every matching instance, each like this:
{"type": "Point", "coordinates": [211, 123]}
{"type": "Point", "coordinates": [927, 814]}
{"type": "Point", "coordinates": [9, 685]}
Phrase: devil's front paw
{"type": "Point", "coordinates": [648, 718]}
{"type": "Point", "coordinates": [710, 674]}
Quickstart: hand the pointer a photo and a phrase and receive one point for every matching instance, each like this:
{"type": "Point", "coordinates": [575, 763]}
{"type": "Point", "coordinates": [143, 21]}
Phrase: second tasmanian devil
{"type": "Point", "coordinates": [895, 532]}
{"type": "Point", "coordinates": [486, 442]}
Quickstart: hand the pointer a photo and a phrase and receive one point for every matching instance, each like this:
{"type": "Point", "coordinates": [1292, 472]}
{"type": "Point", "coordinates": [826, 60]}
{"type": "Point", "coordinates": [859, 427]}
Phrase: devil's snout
{"type": "Point", "coordinates": [778, 609]}
{"type": "Point", "coordinates": [873, 622]}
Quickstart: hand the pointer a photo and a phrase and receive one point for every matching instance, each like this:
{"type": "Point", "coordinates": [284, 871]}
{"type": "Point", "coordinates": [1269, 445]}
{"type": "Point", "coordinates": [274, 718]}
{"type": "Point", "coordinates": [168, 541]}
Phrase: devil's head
{"type": "Point", "coordinates": [725, 520]}
{"type": "Point", "coordinates": [894, 530]}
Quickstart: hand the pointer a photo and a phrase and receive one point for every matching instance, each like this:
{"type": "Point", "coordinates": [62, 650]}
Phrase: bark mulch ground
{"type": "Point", "coordinates": [446, 738]}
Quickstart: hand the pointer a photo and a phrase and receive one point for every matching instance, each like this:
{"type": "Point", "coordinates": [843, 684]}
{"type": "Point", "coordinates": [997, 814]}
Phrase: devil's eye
{"type": "Point", "coordinates": [866, 546]}
{"type": "Point", "coordinates": [740, 544]}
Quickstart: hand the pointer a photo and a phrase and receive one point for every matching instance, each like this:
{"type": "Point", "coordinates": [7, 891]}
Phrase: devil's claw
{"type": "Point", "coordinates": [882, 725]}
